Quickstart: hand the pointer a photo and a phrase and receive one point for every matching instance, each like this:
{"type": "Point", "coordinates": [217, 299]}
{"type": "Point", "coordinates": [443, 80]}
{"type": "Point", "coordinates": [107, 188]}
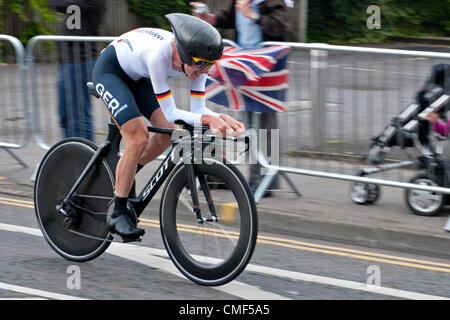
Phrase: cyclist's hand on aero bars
{"type": "Point", "coordinates": [237, 126]}
{"type": "Point", "coordinates": [217, 125]}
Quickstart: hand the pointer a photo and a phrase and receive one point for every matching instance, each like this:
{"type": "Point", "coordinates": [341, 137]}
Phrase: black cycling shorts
{"type": "Point", "coordinates": [124, 98]}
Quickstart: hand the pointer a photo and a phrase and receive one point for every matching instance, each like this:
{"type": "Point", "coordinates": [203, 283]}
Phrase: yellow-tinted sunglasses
{"type": "Point", "coordinates": [203, 63]}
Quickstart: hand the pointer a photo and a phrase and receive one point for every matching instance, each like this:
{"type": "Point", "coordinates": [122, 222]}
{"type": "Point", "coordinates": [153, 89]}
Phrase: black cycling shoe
{"type": "Point", "coordinates": [121, 224]}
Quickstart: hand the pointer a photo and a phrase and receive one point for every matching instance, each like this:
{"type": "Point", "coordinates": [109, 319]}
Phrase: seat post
{"type": "Point", "coordinates": [92, 91]}
{"type": "Point", "coordinates": [113, 140]}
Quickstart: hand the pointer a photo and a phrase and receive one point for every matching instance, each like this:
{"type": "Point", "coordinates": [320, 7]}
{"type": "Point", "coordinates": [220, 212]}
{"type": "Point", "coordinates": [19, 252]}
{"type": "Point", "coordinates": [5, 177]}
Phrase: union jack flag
{"type": "Point", "coordinates": [254, 80]}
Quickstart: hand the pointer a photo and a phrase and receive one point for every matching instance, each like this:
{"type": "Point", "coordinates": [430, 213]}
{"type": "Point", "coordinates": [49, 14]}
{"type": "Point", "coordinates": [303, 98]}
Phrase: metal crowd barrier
{"type": "Point", "coordinates": [15, 126]}
{"type": "Point", "coordinates": [319, 72]}
{"type": "Point", "coordinates": [51, 77]}
{"type": "Point", "coordinates": [339, 98]}
{"type": "Point", "coordinates": [310, 99]}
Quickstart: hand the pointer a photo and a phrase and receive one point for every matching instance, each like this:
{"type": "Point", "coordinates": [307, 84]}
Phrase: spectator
{"type": "Point", "coordinates": [83, 18]}
{"type": "Point", "coordinates": [254, 21]}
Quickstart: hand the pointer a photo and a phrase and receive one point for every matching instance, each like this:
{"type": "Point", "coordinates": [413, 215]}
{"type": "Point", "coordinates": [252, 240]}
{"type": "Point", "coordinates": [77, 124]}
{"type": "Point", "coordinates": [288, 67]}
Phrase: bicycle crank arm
{"type": "Point", "coordinates": [211, 218]}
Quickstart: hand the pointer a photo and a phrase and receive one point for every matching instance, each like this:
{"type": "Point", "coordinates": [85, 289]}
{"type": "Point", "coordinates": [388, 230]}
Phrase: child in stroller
{"type": "Point", "coordinates": [412, 129]}
{"type": "Point", "coordinates": [438, 126]}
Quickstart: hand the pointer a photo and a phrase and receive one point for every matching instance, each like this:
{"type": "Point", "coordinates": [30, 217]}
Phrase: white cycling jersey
{"type": "Point", "coordinates": [147, 52]}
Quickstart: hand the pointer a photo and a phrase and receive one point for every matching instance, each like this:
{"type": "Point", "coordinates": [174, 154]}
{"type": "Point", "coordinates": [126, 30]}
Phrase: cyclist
{"type": "Point", "coordinates": [132, 75]}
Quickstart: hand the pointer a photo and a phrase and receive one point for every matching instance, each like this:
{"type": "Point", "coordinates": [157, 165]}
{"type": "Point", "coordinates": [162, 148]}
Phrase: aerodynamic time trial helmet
{"type": "Point", "coordinates": [196, 40]}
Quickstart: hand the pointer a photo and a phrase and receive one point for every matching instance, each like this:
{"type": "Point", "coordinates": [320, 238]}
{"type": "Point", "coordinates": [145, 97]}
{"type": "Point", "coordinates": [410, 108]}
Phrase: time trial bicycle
{"type": "Point", "coordinates": [74, 191]}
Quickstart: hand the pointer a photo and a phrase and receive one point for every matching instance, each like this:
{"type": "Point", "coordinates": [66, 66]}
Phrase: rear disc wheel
{"type": "Point", "coordinates": [79, 237]}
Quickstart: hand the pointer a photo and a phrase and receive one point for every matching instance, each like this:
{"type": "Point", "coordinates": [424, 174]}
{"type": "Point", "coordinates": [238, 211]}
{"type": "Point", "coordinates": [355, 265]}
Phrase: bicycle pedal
{"type": "Point", "coordinates": [138, 239]}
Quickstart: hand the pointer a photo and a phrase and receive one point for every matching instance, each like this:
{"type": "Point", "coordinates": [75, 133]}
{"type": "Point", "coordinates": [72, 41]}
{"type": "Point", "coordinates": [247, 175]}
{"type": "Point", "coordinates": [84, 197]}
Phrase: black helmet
{"type": "Point", "coordinates": [195, 38]}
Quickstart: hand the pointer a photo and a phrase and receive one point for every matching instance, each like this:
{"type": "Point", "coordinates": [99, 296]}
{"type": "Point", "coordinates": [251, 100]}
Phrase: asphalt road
{"type": "Point", "coordinates": [282, 267]}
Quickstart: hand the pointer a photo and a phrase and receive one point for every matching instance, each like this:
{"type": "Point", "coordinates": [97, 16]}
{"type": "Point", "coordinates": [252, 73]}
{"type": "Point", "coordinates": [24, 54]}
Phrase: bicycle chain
{"type": "Point", "coordinates": [93, 196]}
{"type": "Point", "coordinates": [90, 236]}
{"type": "Point", "coordinates": [102, 239]}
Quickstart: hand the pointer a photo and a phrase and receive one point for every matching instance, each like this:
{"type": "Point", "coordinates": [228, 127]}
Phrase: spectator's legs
{"type": "Point", "coordinates": [74, 98]}
{"type": "Point", "coordinates": [267, 121]}
{"type": "Point", "coordinates": [85, 123]}
{"type": "Point", "coordinates": [62, 99]}
{"type": "Point", "coordinates": [74, 106]}
{"type": "Point", "coordinates": [255, 169]}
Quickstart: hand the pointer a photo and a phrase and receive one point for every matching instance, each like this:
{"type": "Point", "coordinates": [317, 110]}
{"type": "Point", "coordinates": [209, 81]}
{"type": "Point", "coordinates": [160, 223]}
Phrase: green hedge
{"type": "Point", "coordinates": [35, 13]}
{"type": "Point", "coordinates": [337, 21]}
{"type": "Point", "coordinates": [152, 12]}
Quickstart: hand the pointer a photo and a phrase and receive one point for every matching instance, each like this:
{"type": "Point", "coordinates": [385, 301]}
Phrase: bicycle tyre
{"type": "Point", "coordinates": [220, 271]}
{"type": "Point", "coordinates": [58, 171]}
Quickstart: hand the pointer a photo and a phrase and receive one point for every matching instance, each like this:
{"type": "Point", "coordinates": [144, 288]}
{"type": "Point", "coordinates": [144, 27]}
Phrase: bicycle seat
{"type": "Point", "coordinates": [92, 91]}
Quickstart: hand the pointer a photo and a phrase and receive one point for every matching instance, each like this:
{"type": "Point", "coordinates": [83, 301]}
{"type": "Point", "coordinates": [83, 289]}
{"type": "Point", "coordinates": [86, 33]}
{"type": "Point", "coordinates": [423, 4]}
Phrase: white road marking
{"type": "Point", "coordinates": [35, 292]}
{"type": "Point", "coordinates": [23, 299]}
{"type": "Point", "coordinates": [326, 280]}
{"type": "Point", "coordinates": [413, 59]}
{"type": "Point", "coordinates": [27, 230]}
{"type": "Point", "coordinates": [157, 258]}
{"type": "Point", "coordinates": [152, 258]}
{"type": "Point", "coordinates": [343, 283]}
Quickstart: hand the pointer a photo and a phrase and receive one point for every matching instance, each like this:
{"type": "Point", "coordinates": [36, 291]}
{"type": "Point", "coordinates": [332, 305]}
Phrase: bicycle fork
{"type": "Point", "coordinates": [191, 177]}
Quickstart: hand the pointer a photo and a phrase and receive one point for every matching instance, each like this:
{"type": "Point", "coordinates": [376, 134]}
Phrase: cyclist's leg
{"type": "Point", "coordinates": [149, 107]}
{"type": "Point", "coordinates": [135, 136]}
{"type": "Point", "coordinates": [117, 96]}
{"type": "Point", "coordinates": [113, 85]}
{"type": "Point", "coordinates": [159, 142]}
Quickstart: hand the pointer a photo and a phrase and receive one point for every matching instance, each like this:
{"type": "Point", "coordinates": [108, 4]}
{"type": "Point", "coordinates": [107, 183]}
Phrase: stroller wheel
{"type": "Point", "coordinates": [364, 193]}
{"type": "Point", "coordinates": [424, 203]}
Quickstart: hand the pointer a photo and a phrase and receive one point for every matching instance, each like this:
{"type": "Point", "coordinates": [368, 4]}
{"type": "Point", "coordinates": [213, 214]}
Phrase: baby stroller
{"type": "Point", "coordinates": [410, 130]}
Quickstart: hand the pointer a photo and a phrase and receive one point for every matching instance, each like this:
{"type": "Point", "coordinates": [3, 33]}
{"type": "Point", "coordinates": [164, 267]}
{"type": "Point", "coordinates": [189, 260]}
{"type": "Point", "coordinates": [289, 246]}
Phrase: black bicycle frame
{"type": "Point", "coordinates": [110, 149]}
{"type": "Point", "coordinates": [153, 185]}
